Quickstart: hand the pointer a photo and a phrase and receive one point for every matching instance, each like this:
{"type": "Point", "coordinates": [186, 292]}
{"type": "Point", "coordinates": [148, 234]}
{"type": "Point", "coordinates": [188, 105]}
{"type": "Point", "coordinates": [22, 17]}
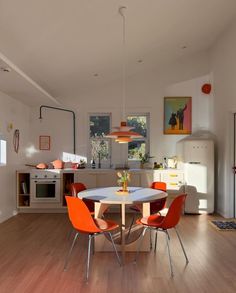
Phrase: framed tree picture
{"type": "Point", "coordinates": [177, 115]}
{"type": "Point", "coordinates": [44, 142]}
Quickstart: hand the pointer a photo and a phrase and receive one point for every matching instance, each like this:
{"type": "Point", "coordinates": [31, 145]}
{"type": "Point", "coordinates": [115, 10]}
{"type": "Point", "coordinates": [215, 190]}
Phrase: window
{"type": "Point", "coordinates": [100, 147]}
{"type": "Point", "coordinates": [140, 122]}
{"type": "Point", "coordinates": [3, 151]}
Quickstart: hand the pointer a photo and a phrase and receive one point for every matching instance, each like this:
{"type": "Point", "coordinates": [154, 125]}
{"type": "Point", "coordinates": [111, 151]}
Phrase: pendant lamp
{"type": "Point", "coordinates": [123, 133]}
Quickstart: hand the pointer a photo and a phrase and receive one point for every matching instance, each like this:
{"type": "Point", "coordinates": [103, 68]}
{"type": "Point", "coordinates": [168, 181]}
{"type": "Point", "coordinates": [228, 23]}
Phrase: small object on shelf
{"type": "Point", "coordinates": [172, 162]}
{"type": "Point", "coordinates": [74, 165]}
{"type": "Point", "coordinates": [93, 164]}
{"type": "Point", "coordinates": [165, 165]}
{"type": "Point", "coordinates": [82, 164]}
{"type": "Point", "coordinates": [58, 164]}
{"type": "Point", "coordinates": [24, 187]}
{"type": "Point", "coordinates": [26, 202]}
{"type": "Point", "coordinates": [156, 166]}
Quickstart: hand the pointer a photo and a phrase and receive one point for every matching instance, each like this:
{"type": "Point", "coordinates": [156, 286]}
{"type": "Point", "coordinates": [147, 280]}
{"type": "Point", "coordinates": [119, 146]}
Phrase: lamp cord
{"type": "Point", "coordinates": [121, 11]}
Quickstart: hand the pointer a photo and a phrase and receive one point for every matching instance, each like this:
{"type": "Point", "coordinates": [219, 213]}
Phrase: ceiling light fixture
{"type": "Point", "coordinates": [122, 133]}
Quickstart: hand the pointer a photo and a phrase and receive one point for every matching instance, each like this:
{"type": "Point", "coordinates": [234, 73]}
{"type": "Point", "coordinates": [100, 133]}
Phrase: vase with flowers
{"type": "Point", "coordinates": [123, 179]}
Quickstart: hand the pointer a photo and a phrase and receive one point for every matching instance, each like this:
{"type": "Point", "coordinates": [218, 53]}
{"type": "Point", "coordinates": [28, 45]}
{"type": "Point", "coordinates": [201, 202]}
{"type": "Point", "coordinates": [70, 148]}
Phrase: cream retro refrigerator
{"type": "Point", "coordinates": [197, 157]}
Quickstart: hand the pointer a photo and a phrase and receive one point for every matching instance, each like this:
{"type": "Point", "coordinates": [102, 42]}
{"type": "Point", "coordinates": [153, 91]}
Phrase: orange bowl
{"type": "Point", "coordinates": [58, 164]}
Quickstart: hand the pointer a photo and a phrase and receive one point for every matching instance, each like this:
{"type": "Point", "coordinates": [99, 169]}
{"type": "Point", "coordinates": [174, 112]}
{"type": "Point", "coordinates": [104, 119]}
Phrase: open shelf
{"type": "Point", "coordinates": [68, 178]}
{"type": "Point", "coordinates": [23, 189]}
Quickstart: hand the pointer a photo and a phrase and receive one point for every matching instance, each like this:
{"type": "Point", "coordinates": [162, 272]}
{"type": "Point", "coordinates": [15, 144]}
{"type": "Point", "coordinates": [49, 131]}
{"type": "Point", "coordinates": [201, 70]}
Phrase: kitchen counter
{"type": "Point", "coordinates": [28, 178]}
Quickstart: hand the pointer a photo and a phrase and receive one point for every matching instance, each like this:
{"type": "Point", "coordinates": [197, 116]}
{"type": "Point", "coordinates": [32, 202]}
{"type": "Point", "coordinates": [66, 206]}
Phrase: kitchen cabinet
{"type": "Point", "coordinates": [149, 176]}
{"type": "Point", "coordinates": [174, 178]}
{"type": "Point", "coordinates": [106, 179]}
{"type": "Point", "coordinates": [91, 179]}
{"type": "Point", "coordinates": [88, 178]}
{"type": "Point", "coordinates": [135, 179]}
{"type": "Point", "coordinates": [67, 179]}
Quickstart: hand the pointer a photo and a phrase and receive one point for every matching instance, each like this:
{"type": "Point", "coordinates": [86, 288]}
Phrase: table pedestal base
{"type": "Point", "coordinates": [120, 236]}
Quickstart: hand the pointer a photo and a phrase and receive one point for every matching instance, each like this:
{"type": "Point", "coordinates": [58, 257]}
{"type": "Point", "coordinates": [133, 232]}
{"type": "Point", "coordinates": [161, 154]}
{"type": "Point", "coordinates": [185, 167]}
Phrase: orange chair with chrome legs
{"type": "Point", "coordinates": [163, 224]}
{"type": "Point", "coordinates": [155, 207]}
{"type": "Point", "coordinates": [75, 188]}
{"type": "Point", "coordinates": [83, 222]}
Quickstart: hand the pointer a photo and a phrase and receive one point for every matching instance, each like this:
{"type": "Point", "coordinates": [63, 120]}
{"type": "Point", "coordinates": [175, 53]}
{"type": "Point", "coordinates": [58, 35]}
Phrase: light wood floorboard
{"type": "Point", "coordinates": [33, 249]}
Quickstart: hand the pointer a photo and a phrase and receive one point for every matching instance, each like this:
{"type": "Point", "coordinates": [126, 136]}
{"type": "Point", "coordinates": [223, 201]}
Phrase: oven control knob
{"type": "Point", "coordinates": [45, 176]}
{"type": "Point", "coordinates": [36, 176]}
{"type": "Point", "coordinates": [55, 176]}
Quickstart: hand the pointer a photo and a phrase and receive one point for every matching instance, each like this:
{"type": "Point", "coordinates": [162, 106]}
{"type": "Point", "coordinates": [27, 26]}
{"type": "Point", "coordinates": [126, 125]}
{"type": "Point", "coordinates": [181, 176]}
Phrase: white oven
{"type": "Point", "coordinates": [45, 186]}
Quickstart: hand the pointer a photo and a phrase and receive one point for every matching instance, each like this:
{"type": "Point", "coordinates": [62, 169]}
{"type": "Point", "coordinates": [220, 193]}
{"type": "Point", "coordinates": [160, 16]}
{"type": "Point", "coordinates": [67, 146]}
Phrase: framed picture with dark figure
{"type": "Point", "coordinates": [177, 115]}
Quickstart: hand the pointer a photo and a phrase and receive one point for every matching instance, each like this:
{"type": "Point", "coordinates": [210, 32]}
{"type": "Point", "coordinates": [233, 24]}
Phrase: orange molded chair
{"type": "Point", "coordinates": [155, 207]}
{"type": "Point", "coordinates": [75, 188]}
{"type": "Point", "coordinates": [83, 222]}
{"type": "Point", "coordinates": [164, 223]}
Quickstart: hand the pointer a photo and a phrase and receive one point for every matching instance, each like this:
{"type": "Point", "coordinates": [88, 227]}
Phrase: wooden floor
{"type": "Point", "coordinates": [33, 249]}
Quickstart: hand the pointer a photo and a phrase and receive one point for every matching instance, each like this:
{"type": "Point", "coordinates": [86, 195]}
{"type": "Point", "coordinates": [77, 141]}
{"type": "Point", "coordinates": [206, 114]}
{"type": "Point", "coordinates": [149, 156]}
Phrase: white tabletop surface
{"type": "Point", "coordinates": [107, 195]}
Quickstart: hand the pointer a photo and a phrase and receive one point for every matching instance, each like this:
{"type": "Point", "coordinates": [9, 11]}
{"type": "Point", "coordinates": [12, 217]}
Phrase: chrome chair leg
{"type": "Point", "coordinates": [150, 239]}
{"type": "Point", "coordinates": [181, 243]}
{"type": "Point", "coordinates": [71, 248]}
{"type": "Point", "coordinates": [88, 258]}
{"type": "Point", "coordinates": [93, 245]}
{"type": "Point", "coordinates": [70, 233]}
{"type": "Point", "coordinates": [140, 243]}
{"type": "Point", "coordinates": [167, 242]}
{"type": "Point", "coordinates": [130, 227]}
{"type": "Point", "coordinates": [113, 244]}
{"type": "Point", "coordinates": [168, 234]}
{"type": "Point", "coordinates": [155, 241]}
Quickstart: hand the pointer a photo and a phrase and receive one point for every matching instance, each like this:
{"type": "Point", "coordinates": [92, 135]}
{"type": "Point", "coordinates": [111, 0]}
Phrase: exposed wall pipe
{"type": "Point", "coordinates": [61, 109]}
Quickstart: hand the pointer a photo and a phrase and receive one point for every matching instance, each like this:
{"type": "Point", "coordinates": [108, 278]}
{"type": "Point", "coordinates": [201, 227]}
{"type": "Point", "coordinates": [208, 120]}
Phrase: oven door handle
{"type": "Point", "coordinates": [46, 182]}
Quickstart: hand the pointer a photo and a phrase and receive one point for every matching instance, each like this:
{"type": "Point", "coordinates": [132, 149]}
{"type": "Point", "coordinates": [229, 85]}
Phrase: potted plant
{"type": "Point", "coordinates": [144, 158]}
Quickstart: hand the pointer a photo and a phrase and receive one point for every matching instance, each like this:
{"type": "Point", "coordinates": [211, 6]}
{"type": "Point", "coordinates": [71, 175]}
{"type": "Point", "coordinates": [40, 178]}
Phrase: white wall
{"type": "Point", "coordinates": [223, 65]}
{"type": "Point", "coordinates": [145, 93]}
{"type": "Point", "coordinates": [56, 124]}
{"type": "Point", "coordinates": [12, 111]}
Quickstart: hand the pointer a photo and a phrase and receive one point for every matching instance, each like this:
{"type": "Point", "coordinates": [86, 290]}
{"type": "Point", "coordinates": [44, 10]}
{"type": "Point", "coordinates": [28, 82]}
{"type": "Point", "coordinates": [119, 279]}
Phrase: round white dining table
{"type": "Point", "coordinates": [106, 196]}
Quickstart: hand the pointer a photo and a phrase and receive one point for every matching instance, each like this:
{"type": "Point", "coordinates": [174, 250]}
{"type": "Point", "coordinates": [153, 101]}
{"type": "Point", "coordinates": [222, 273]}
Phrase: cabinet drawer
{"type": "Point", "coordinates": [173, 179]}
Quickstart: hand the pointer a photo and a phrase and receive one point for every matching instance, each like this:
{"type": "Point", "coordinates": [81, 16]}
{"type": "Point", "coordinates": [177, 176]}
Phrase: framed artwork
{"type": "Point", "coordinates": [177, 115]}
{"type": "Point", "coordinates": [44, 142]}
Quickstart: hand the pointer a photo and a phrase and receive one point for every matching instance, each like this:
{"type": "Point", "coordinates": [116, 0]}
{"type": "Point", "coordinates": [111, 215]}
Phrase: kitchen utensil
{"type": "Point", "coordinates": [39, 166]}
{"type": "Point", "coordinates": [58, 164]}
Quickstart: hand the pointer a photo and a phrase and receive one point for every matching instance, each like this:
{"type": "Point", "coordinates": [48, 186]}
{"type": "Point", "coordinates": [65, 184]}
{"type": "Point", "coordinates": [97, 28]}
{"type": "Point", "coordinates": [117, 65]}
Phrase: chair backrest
{"type": "Point", "coordinates": [159, 185]}
{"type": "Point", "coordinates": [80, 216]}
{"type": "Point", "coordinates": [76, 187]}
{"type": "Point", "coordinates": [175, 210]}
{"type": "Point", "coordinates": [159, 204]}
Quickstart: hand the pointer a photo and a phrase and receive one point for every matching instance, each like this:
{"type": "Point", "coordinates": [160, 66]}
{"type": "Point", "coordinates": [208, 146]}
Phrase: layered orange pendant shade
{"type": "Point", "coordinates": [123, 133]}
